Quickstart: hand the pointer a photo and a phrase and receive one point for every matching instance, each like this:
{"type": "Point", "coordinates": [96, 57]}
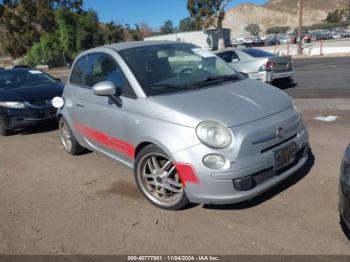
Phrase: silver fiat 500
{"type": "Point", "coordinates": [193, 129]}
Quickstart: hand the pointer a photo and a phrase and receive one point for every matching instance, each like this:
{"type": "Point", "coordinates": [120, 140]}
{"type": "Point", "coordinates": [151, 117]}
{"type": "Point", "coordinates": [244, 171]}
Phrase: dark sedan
{"type": "Point", "coordinates": [344, 191]}
{"type": "Point", "coordinates": [25, 98]}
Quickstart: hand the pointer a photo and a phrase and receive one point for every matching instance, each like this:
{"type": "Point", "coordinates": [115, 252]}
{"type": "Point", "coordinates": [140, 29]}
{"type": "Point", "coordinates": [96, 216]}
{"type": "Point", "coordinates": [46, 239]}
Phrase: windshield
{"type": "Point", "coordinates": [171, 68]}
{"type": "Point", "coordinates": [10, 79]}
{"type": "Point", "coordinates": [257, 53]}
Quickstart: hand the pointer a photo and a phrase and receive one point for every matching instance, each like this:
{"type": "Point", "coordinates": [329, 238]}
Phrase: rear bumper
{"type": "Point", "coordinates": [269, 76]}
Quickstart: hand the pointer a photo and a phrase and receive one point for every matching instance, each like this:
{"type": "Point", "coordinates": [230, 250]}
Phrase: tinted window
{"type": "Point", "coordinates": [17, 78]}
{"type": "Point", "coordinates": [77, 73]}
{"type": "Point", "coordinates": [257, 52]}
{"type": "Point", "coordinates": [228, 56]}
{"type": "Point", "coordinates": [101, 67]}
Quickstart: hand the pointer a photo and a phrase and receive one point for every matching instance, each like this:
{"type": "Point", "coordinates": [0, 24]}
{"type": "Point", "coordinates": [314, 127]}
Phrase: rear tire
{"type": "Point", "coordinates": [68, 140]}
{"type": "Point", "coordinates": [4, 131]}
{"type": "Point", "coordinates": [158, 180]}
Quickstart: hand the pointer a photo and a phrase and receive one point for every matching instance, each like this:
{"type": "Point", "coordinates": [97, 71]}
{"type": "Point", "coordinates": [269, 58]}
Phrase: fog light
{"type": "Point", "coordinates": [214, 161]}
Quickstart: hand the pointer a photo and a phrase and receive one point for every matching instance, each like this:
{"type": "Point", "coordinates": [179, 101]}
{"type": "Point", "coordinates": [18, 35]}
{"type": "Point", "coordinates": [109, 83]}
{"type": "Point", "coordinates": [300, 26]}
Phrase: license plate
{"type": "Point", "coordinates": [285, 156]}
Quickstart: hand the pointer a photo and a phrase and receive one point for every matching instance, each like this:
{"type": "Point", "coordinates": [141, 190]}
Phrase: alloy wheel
{"type": "Point", "coordinates": [65, 135]}
{"type": "Point", "coordinates": [159, 179]}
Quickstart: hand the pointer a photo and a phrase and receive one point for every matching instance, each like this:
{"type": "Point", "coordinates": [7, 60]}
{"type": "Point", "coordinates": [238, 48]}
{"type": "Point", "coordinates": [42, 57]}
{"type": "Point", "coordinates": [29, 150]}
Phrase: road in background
{"type": "Point", "coordinates": [325, 43]}
{"type": "Point", "coordinates": [321, 78]}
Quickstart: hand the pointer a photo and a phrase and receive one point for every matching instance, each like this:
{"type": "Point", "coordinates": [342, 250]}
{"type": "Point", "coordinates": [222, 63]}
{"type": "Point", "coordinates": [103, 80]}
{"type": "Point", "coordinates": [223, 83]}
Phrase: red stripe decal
{"type": "Point", "coordinates": [187, 173]}
{"type": "Point", "coordinates": [111, 142]}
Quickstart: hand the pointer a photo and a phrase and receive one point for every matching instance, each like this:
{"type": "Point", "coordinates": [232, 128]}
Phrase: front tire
{"type": "Point", "coordinates": [158, 179]}
{"type": "Point", "coordinates": [68, 140]}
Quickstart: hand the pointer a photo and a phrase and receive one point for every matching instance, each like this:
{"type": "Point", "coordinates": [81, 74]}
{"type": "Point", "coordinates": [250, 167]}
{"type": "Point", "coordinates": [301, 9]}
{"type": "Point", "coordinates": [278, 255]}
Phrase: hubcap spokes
{"type": "Point", "coordinates": [65, 136]}
{"type": "Point", "coordinates": [161, 179]}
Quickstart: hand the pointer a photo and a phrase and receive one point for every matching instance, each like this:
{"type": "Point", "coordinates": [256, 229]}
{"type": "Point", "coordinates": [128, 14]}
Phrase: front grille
{"type": "Point", "coordinates": [41, 103]}
{"type": "Point", "coordinates": [249, 182]}
{"type": "Point", "coordinates": [263, 176]}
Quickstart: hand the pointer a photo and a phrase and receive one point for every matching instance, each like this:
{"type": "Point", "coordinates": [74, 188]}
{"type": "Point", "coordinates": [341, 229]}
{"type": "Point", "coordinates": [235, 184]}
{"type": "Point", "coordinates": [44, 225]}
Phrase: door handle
{"type": "Point", "coordinates": [80, 105]}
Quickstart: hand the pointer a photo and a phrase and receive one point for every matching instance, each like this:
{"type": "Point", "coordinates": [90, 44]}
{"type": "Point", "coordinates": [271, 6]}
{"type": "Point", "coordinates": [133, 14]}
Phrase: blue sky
{"type": "Point", "coordinates": [153, 12]}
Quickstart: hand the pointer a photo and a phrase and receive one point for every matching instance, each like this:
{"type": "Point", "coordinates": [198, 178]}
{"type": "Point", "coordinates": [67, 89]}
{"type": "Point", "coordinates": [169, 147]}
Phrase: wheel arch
{"type": "Point", "coordinates": [148, 142]}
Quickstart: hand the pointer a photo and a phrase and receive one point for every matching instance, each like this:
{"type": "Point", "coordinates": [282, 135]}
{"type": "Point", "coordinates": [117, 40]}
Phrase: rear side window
{"type": "Point", "coordinates": [101, 67]}
{"type": "Point", "coordinates": [257, 52]}
{"type": "Point", "coordinates": [77, 72]}
{"type": "Point", "coordinates": [228, 56]}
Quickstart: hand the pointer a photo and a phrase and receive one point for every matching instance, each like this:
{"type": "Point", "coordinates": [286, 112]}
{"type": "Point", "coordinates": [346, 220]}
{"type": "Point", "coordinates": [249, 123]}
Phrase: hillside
{"type": "Point", "coordinates": [279, 13]}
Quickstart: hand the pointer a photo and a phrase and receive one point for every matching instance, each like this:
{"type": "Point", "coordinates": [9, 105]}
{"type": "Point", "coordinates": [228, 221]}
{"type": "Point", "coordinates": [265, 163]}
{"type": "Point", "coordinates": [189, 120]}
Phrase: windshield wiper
{"type": "Point", "coordinates": [215, 79]}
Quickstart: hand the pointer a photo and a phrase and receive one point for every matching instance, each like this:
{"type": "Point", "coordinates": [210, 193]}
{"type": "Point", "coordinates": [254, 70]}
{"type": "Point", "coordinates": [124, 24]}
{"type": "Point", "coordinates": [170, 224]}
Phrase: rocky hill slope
{"type": "Point", "coordinates": [279, 13]}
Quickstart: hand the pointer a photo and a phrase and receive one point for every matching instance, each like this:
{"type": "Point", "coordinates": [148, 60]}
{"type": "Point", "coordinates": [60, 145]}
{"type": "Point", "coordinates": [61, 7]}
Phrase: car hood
{"type": "Point", "coordinates": [231, 104]}
{"type": "Point", "coordinates": [32, 93]}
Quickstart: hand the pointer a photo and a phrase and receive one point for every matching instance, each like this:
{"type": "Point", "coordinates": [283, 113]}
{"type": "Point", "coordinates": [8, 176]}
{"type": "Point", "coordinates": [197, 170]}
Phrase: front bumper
{"type": "Point", "coordinates": [247, 159]}
{"type": "Point", "coordinates": [29, 117]}
{"type": "Point", "coordinates": [344, 203]}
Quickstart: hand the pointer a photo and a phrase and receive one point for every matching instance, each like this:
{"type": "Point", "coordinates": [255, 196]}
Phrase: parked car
{"type": "Point", "coordinates": [285, 39]}
{"type": "Point", "coordinates": [272, 40]}
{"type": "Point", "coordinates": [307, 38]}
{"type": "Point", "coordinates": [25, 98]}
{"type": "Point", "coordinates": [344, 191]}
{"type": "Point", "coordinates": [259, 64]}
{"type": "Point", "coordinates": [193, 128]}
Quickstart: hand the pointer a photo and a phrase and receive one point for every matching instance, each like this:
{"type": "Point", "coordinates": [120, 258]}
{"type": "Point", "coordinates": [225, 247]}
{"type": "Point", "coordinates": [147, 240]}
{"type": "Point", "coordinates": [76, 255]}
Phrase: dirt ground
{"type": "Point", "coordinates": [54, 203]}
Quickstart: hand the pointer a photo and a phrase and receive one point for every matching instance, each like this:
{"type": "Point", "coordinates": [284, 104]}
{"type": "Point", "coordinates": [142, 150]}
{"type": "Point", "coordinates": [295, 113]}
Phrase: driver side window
{"type": "Point", "coordinates": [102, 67]}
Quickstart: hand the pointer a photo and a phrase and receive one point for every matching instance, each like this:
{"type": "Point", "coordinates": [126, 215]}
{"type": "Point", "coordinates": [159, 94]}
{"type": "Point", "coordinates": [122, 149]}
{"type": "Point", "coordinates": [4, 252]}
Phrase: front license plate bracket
{"type": "Point", "coordinates": [285, 156]}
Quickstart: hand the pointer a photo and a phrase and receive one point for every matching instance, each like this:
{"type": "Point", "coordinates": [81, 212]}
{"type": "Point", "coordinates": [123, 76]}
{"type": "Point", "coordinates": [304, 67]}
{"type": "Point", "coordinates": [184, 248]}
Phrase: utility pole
{"type": "Point", "coordinates": [300, 26]}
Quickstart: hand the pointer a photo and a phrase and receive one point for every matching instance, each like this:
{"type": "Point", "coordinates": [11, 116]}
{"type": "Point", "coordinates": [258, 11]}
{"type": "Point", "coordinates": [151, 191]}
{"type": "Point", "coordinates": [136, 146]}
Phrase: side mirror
{"type": "Point", "coordinates": [235, 60]}
{"type": "Point", "coordinates": [107, 88]}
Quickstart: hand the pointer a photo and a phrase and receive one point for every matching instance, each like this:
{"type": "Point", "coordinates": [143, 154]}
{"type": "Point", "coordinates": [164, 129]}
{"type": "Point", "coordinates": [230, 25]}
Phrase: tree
{"type": "Point", "coordinates": [253, 29]}
{"type": "Point", "coordinates": [277, 30]}
{"type": "Point", "coordinates": [145, 30]}
{"type": "Point", "coordinates": [75, 6]}
{"type": "Point", "coordinates": [19, 30]}
{"type": "Point", "coordinates": [23, 22]}
{"type": "Point", "coordinates": [113, 33]}
{"type": "Point", "coordinates": [67, 23]}
{"type": "Point", "coordinates": [132, 34]}
{"type": "Point", "coordinates": [339, 15]}
{"type": "Point", "coordinates": [209, 13]}
{"type": "Point", "coordinates": [188, 24]}
{"type": "Point", "coordinates": [88, 33]}
{"type": "Point", "coordinates": [167, 27]}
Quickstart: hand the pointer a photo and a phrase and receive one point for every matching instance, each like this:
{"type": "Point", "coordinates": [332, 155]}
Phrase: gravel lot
{"type": "Point", "coordinates": [54, 203]}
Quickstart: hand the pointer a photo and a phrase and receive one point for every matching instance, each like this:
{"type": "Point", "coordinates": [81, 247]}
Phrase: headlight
{"type": "Point", "coordinates": [214, 134]}
{"type": "Point", "coordinates": [19, 105]}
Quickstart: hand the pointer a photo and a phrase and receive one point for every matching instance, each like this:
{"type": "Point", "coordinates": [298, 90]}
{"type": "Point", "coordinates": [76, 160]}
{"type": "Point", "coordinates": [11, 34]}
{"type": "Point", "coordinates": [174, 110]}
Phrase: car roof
{"type": "Point", "coordinates": [21, 69]}
{"type": "Point", "coordinates": [133, 44]}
